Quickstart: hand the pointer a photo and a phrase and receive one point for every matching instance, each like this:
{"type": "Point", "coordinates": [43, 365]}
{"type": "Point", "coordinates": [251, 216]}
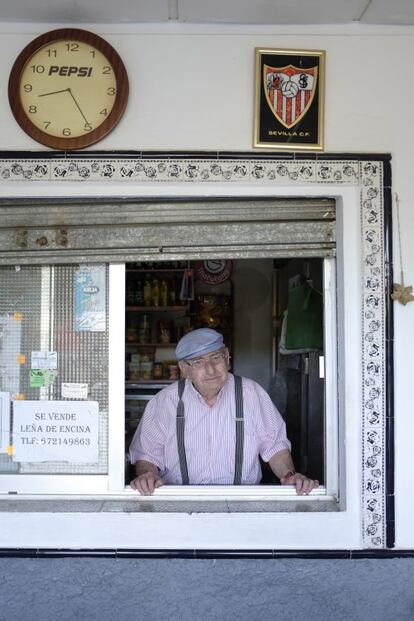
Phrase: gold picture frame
{"type": "Point", "coordinates": [289, 99]}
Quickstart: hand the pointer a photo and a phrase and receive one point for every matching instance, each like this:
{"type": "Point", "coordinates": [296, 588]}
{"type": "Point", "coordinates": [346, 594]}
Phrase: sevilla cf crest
{"type": "Point", "coordinates": [289, 92]}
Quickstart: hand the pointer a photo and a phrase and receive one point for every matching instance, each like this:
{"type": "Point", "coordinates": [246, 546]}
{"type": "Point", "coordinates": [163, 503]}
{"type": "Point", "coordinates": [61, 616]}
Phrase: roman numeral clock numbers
{"type": "Point", "coordinates": [68, 88]}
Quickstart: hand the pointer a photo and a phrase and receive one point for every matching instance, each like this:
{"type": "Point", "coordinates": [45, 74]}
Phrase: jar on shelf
{"type": "Point", "coordinates": [134, 371]}
{"type": "Point", "coordinates": [158, 370]}
{"type": "Point", "coordinates": [145, 370]}
{"type": "Point", "coordinates": [132, 333]}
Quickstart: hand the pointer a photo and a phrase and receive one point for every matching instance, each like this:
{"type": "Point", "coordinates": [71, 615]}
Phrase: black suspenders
{"type": "Point", "coordinates": [180, 421]}
{"type": "Point", "coordinates": [180, 433]}
{"type": "Point", "coordinates": [238, 458]}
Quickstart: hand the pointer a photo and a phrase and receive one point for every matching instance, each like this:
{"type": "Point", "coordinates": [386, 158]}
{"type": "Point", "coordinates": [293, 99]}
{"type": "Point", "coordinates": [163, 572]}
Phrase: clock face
{"type": "Point", "coordinates": [69, 91]}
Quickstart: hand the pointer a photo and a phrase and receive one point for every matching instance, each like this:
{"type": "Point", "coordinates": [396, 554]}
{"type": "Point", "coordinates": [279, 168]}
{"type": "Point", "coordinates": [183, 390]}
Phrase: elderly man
{"type": "Point", "coordinates": [210, 427]}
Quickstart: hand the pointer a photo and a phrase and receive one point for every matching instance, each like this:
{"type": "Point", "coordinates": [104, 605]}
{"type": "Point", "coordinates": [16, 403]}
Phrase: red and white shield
{"type": "Point", "coordinates": [289, 92]}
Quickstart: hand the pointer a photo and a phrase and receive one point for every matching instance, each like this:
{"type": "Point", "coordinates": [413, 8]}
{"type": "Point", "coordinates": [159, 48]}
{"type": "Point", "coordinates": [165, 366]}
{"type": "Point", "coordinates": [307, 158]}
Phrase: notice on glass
{"type": "Point", "coordinates": [44, 360]}
{"type": "Point", "coordinates": [41, 378]}
{"type": "Point", "coordinates": [71, 390]}
{"type": "Point", "coordinates": [55, 431]}
{"type": "Point", "coordinates": [90, 298]}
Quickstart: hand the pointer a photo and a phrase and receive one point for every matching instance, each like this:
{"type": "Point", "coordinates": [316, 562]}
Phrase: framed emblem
{"type": "Point", "coordinates": [289, 99]}
{"type": "Point", "coordinates": [214, 272]}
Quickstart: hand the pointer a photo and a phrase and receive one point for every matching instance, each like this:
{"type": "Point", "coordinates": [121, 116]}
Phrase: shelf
{"type": "Point", "coordinates": [166, 270]}
{"type": "Point", "coordinates": [136, 344]}
{"type": "Point", "coordinates": [146, 384]}
{"type": "Point", "coordinates": [148, 309]}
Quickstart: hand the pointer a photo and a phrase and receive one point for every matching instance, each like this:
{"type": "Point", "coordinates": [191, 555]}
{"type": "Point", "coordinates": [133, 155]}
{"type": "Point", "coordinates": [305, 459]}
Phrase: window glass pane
{"type": "Point", "coordinates": [54, 348]}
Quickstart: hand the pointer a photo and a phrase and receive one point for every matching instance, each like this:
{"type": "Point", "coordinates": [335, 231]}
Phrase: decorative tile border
{"type": "Point", "coordinates": [365, 174]}
{"type": "Point", "coordinates": [180, 170]}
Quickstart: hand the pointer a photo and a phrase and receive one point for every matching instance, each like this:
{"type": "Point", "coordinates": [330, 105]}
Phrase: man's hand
{"type": "Point", "coordinates": [146, 482]}
{"type": "Point", "coordinates": [147, 477]}
{"type": "Point", "coordinates": [282, 465]}
{"type": "Point", "coordinates": [303, 484]}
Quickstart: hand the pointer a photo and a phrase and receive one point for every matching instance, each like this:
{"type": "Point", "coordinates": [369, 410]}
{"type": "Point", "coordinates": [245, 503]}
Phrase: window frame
{"type": "Point", "coordinates": [114, 481]}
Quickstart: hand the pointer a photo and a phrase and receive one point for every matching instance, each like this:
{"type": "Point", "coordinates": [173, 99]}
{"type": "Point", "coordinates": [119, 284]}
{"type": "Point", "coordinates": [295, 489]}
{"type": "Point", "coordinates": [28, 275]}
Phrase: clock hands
{"type": "Point", "coordinates": [68, 90]}
{"type": "Point", "coordinates": [78, 106]}
{"type": "Point", "coordinates": [64, 90]}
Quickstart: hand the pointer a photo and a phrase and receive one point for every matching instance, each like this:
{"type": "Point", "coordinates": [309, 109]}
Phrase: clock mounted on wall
{"type": "Point", "coordinates": [68, 88]}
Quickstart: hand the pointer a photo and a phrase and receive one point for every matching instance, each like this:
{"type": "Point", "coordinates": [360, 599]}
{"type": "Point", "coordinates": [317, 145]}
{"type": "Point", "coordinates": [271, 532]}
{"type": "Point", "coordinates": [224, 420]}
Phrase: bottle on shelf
{"type": "Point", "coordinates": [155, 292]}
{"type": "Point", "coordinates": [147, 291]}
{"type": "Point", "coordinates": [138, 293]}
{"type": "Point", "coordinates": [132, 332]}
{"type": "Point", "coordinates": [172, 293]}
{"type": "Point", "coordinates": [164, 292]}
{"type": "Point", "coordinates": [144, 334]}
{"type": "Point", "coordinates": [130, 299]}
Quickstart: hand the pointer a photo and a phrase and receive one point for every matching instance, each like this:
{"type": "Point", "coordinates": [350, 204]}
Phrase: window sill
{"type": "Point", "coordinates": [176, 499]}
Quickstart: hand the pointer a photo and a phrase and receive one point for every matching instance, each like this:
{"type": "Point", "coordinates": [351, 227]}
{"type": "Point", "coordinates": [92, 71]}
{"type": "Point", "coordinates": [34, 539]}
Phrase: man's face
{"type": "Point", "coordinates": [208, 373]}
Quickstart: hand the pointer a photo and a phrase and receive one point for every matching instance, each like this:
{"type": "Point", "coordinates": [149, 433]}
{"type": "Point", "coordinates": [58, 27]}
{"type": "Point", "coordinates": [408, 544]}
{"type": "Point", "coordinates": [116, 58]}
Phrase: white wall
{"type": "Point", "coordinates": [192, 89]}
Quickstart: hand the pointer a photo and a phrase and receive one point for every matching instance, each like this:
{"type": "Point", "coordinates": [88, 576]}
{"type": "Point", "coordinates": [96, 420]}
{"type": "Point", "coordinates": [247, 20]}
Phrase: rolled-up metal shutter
{"type": "Point", "coordinates": [51, 231]}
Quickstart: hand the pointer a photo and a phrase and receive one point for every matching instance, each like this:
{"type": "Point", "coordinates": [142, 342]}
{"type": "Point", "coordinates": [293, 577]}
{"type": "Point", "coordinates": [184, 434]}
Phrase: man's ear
{"type": "Point", "coordinates": [183, 369]}
{"type": "Point", "coordinates": [226, 351]}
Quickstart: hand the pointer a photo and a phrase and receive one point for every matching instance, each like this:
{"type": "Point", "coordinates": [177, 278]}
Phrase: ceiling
{"type": "Point", "coordinates": [386, 12]}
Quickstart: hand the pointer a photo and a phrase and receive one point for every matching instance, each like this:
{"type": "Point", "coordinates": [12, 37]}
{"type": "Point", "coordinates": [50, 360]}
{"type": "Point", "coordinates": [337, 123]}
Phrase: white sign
{"type": "Point", "coordinates": [55, 431]}
{"type": "Point", "coordinates": [44, 360]}
{"type": "Point", "coordinates": [4, 421]}
{"type": "Point", "coordinates": [71, 390]}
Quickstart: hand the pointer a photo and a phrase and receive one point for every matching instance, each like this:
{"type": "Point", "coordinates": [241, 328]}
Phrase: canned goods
{"type": "Point", "coordinates": [146, 370]}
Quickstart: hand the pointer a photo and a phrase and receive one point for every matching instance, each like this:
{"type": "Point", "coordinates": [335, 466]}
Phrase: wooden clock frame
{"type": "Point", "coordinates": [121, 97]}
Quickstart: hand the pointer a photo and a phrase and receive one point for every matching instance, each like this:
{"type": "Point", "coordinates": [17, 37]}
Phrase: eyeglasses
{"type": "Point", "coordinates": [214, 359]}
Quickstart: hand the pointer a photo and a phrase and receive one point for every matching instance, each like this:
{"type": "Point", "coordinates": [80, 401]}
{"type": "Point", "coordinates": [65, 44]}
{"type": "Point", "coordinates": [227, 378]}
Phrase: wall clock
{"type": "Point", "coordinates": [68, 88]}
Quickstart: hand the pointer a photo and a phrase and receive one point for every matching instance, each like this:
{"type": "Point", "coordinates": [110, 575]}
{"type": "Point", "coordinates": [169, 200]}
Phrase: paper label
{"type": "Point", "coordinates": [41, 378]}
{"type": "Point", "coordinates": [74, 391]}
{"type": "Point", "coordinates": [44, 360]}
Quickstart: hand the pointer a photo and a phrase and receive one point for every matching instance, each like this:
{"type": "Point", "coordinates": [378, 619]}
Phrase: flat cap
{"type": "Point", "coordinates": [197, 343]}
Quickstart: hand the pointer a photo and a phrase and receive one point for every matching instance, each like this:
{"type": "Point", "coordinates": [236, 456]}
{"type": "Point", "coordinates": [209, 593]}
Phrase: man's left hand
{"type": "Point", "coordinates": [303, 484]}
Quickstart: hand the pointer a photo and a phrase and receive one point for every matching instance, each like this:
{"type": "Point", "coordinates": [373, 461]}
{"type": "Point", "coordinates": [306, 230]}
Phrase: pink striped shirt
{"type": "Point", "coordinates": [210, 434]}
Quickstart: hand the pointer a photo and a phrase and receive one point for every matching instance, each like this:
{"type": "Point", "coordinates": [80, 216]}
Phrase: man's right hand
{"type": "Point", "coordinates": [146, 482]}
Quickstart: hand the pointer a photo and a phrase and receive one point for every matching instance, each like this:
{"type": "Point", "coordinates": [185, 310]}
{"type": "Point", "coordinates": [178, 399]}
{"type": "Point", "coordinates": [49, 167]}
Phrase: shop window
{"type": "Point", "coordinates": [67, 332]}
